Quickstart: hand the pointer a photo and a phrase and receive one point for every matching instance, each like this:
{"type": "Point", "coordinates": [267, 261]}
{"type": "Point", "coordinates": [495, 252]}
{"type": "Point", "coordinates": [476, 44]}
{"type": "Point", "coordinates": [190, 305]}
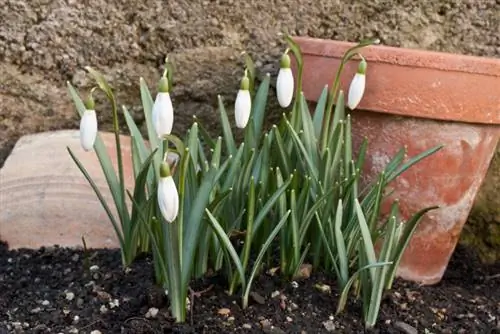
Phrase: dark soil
{"type": "Point", "coordinates": [52, 290]}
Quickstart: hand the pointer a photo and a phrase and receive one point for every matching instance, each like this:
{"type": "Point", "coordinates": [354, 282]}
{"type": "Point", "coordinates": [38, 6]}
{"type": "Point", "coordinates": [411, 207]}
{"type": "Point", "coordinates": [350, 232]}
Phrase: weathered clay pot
{"type": "Point", "coordinates": [418, 99]}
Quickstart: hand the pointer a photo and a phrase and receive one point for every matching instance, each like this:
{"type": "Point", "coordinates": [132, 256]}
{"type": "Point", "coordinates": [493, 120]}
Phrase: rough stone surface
{"type": "Point", "coordinates": [43, 43]}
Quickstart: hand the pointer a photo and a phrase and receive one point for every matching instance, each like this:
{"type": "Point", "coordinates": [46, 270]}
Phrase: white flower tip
{"type": "Point", "coordinates": [168, 198]}
{"type": "Point", "coordinates": [88, 130]}
{"type": "Point", "coordinates": [356, 90]}
{"type": "Point", "coordinates": [242, 108]}
{"type": "Point", "coordinates": [285, 87]}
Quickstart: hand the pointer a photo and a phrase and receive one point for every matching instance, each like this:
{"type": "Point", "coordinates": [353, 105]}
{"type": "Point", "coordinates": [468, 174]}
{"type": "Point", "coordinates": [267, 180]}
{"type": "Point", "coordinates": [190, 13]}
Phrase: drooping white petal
{"type": "Point", "coordinates": [168, 198]}
{"type": "Point", "coordinates": [242, 108]}
{"type": "Point", "coordinates": [88, 129]}
{"type": "Point", "coordinates": [284, 87]}
{"type": "Point", "coordinates": [356, 90]}
{"type": "Point", "coordinates": [163, 114]}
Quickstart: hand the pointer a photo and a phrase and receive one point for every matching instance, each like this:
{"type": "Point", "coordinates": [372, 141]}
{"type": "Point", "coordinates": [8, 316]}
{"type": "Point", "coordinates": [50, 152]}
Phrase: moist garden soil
{"type": "Point", "coordinates": [60, 290]}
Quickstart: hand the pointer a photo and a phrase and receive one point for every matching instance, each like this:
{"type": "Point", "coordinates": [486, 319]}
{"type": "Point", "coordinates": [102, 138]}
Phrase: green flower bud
{"type": "Point", "coordinates": [89, 102]}
{"type": "Point", "coordinates": [285, 61]}
{"type": "Point", "coordinates": [163, 86]}
{"type": "Point", "coordinates": [362, 66]}
{"type": "Point", "coordinates": [245, 83]}
{"type": "Point", "coordinates": [164, 170]}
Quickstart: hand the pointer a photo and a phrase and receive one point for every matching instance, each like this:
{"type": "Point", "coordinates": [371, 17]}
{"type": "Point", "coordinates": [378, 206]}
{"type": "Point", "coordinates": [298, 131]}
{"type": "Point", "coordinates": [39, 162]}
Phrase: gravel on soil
{"type": "Point", "coordinates": [52, 290]}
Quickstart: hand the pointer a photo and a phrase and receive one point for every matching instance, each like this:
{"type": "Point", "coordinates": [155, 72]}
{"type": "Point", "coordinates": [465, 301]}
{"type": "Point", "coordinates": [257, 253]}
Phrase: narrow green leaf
{"type": "Point", "coordinates": [368, 248]}
{"type": "Point", "coordinates": [259, 258]}
{"type": "Point", "coordinates": [259, 107]}
{"type": "Point", "coordinates": [99, 195]}
{"type": "Point", "coordinates": [226, 243]}
{"type": "Point", "coordinates": [412, 162]}
{"type": "Point", "coordinates": [226, 128]}
{"type": "Point", "coordinates": [319, 112]}
{"type": "Point", "coordinates": [347, 287]}
{"type": "Point", "coordinates": [284, 158]}
{"type": "Point", "coordinates": [339, 242]}
{"type": "Point", "coordinates": [410, 227]}
{"type": "Point", "coordinates": [311, 166]}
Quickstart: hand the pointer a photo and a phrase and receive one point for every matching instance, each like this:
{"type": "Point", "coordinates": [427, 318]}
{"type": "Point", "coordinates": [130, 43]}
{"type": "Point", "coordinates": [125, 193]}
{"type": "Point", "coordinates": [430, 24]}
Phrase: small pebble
{"type": "Point", "coordinates": [329, 325]}
{"type": "Point", "coordinates": [114, 303]}
{"type": "Point", "coordinates": [103, 309]}
{"type": "Point", "coordinates": [45, 303]}
{"type": "Point", "coordinates": [36, 310]}
{"type": "Point", "coordinates": [275, 294]}
{"type": "Point", "coordinates": [152, 313]}
{"type": "Point", "coordinates": [70, 295]}
{"type": "Point", "coordinates": [95, 332]}
{"type": "Point", "coordinates": [247, 326]}
{"type": "Point", "coordinates": [405, 328]}
{"type": "Point", "coordinates": [94, 268]}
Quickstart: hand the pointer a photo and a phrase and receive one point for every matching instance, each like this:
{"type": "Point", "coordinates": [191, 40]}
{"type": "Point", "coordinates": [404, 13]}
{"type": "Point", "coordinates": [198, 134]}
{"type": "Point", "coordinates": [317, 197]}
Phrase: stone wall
{"type": "Point", "coordinates": [44, 43]}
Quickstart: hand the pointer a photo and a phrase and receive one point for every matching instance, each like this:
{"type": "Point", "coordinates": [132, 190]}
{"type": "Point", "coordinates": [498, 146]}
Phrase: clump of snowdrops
{"type": "Point", "coordinates": [290, 191]}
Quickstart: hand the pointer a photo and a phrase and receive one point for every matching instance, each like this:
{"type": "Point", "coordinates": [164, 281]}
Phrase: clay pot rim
{"type": "Point", "coordinates": [405, 57]}
{"type": "Point", "coordinates": [442, 86]}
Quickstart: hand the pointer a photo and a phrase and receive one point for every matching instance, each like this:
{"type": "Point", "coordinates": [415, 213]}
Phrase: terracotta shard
{"type": "Point", "coordinates": [46, 200]}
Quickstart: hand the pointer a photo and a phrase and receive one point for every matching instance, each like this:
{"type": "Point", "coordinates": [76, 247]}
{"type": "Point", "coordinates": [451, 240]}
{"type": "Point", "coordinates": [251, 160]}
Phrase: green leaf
{"type": "Point", "coordinates": [345, 291]}
{"type": "Point", "coordinates": [226, 128]}
{"type": "Point", "coordinates": [259, 258]}
{"type": "Point", "coordinates": [259, 106]}
{"type": "Point", "coordinates": [226, 243]}
{"type": "Point", "coordinates": [339, 242]}
{"type": "Point", "coordinates": [99, 195]}
{"type": "Point", "coordinates": [368, 248]}
{"type": "Point", "coordinates": [266, 208]}
{"type": "Point", "coordinates": [195, 217]}
{"type": "Point", "coordinates": [409, 229]}
{"type": "Point", "coordinates": [412, 162]}
{"type": "Point", "coordinates": [154, 141]}
{"type": "Point", "coordinates": [139, 190]}
{"type": "Point", "coordinates": [311, 166]}
{"type": "Point", "coordinates": [284, 158]}
{"type": "Point", "coordinates": [319, 112]}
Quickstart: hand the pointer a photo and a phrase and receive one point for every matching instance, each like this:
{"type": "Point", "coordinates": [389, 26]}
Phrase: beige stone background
{"type": "Point", "coordinates": [44, 43]}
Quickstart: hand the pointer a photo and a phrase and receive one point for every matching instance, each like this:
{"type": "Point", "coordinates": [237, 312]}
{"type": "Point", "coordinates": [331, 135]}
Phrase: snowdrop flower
{"type": "Point", "coordinates": [284, 82]}
{"type": "Point", "coordinates": [168, 197]}
{"type": "Point", "coordinates": [357, 88]}
{"type": "Point", "coordinates": [163, 111]}
{"type": "Point", "coordinates": [243, 104]}
{"type": "Point", "coordinates": [88, 125]}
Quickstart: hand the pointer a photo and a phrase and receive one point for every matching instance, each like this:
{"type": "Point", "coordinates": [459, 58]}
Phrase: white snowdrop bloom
{"type": "Point", "coordinates": [357, 88]}
{"type": "Point", "coordinates": [284, 82]}
{"type": "Point", "coordinates": [243, 104]}
{"type": "Point", "coordinates": [163, 111]}
{"type": "Point", "coordinates": [88, 129]}
{"type": "Point", "coordinates": [168, 197]}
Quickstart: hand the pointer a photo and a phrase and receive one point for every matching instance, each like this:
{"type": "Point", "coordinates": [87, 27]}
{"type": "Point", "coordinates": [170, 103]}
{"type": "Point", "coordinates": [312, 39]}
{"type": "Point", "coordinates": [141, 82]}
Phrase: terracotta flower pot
{"type": "Point", "coordinates": [418, 99]}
